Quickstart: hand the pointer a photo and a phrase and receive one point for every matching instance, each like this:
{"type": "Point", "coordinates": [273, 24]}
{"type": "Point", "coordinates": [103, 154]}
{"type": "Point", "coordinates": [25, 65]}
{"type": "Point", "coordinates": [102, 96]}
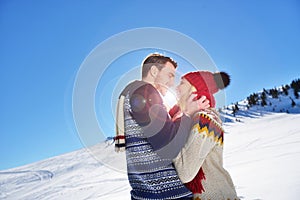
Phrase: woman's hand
{"type": "Point", "coordinates": [194, 105]}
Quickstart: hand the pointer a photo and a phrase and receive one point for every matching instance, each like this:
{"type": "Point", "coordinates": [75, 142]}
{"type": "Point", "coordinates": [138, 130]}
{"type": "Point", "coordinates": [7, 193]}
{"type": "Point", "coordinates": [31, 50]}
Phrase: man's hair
{"type": "Point", "coordinates": [155, 59]}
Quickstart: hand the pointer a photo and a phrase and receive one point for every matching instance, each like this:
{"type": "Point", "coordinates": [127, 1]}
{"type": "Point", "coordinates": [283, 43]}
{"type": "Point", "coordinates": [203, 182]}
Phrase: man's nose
{"type": "Point", "coordinates": [171, 83]}
{"type": "Point", "coordinates": [177, 89]}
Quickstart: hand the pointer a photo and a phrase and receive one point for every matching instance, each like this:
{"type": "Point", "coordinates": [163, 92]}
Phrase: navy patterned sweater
{"type": "Point", "coordinates": [152, 140]}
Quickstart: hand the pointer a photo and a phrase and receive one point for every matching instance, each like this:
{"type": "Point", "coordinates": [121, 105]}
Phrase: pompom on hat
{"type": "Point", "coordinates": [207, 83]}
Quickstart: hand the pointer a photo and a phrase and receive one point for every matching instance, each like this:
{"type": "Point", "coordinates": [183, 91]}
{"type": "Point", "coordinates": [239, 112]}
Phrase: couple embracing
{"type": "Point", "coordinates": [175, 154]}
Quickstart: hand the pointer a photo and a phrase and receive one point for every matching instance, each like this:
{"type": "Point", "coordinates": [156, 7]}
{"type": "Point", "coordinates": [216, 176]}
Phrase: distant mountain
{"type": "Point", "coordinates": [261, 152]}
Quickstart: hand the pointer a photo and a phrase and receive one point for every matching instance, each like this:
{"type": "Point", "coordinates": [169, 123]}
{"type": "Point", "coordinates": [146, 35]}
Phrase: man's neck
{"type": "Point", "coordinates": [148, 80]}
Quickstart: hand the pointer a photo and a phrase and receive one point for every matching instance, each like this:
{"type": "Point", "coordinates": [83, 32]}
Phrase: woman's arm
{"type": "Point", "coordinates": [205, 134]}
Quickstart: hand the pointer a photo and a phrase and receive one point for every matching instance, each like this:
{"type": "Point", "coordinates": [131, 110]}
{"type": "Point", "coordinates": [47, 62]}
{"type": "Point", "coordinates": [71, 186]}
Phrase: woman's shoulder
{"type": "Point", "coordinates": [210, 113]}
{"type": "Point", "coordinates": [206, 123]}
{"type": "Point", "coordinates": [210, 118]}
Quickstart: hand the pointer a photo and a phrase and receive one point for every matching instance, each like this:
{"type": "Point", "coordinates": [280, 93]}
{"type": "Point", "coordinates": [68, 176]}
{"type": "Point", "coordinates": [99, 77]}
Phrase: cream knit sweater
{"type": "Point", "coordinates": [204, 148]}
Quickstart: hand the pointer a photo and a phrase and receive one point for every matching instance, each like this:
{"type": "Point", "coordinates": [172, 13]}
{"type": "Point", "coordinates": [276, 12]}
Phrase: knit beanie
{"type": "Point", "coordinates": [207, 83]}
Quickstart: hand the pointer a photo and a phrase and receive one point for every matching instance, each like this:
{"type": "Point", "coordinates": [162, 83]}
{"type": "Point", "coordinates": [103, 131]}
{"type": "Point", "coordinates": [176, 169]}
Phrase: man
{"type": "Point", "coordinates": [150, 137]}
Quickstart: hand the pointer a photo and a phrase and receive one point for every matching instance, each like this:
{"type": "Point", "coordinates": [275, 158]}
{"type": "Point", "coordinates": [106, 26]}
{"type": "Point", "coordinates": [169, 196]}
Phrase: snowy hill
{"type": "Point", "coordinates": [257, 104]}
{"type": "Point", "coordinates": [76, 175]}
{"type": "Point", "coordinates": [261, 153]}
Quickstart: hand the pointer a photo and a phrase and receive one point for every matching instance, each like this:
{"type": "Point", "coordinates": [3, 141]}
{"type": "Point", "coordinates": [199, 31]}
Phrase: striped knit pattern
{"type": "Point", "coordinates": [149, 176]}
{"type": "Point", "coordinates": [209, 128]}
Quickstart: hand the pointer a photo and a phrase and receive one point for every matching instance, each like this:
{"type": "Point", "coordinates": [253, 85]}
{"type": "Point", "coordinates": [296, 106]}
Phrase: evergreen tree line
{"type": "Point", "coordinates": [254, 98]}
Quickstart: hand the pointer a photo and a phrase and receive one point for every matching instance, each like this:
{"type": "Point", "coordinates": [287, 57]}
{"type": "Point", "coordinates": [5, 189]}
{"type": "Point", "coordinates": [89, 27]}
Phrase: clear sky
{"type": "Point", "coordinates": [44, 43]}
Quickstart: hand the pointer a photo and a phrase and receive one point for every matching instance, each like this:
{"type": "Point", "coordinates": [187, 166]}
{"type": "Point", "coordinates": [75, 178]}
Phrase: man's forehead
{"type": "Point", "coordinates": [169, 67]}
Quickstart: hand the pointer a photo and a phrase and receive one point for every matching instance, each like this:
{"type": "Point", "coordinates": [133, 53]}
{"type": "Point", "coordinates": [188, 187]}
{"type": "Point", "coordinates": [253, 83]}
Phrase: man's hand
{"type": "Point", "coordinates": [196, 105]}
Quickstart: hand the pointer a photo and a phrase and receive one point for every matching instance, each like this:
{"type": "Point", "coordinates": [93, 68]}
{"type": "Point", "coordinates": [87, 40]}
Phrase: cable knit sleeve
{"type": "Point", "coordinates": [204, 135]}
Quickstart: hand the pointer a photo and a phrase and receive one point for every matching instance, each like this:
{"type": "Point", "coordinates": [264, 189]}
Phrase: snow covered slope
{"type": "Point", "coordinates": [261, 152]}
{"type": "Point", "coordinates": [263, 156]}
{"type": "Point", "coordinates": [76, 175]}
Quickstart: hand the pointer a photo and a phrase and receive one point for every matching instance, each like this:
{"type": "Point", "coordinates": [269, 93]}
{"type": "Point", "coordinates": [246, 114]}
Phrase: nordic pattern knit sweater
{"type": "Point", "coordinates": [151, 176]}
{"type": "Point", "coordinates": [204, 149]}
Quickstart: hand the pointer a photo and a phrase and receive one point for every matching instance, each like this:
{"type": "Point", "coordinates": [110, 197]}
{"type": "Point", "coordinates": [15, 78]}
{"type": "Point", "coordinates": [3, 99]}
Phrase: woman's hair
{"type": "Point", "coordinates": [155, 59]}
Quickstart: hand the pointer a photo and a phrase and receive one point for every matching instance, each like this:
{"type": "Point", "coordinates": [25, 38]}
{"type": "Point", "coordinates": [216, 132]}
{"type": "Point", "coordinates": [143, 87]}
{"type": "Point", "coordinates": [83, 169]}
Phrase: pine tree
{"type": "Point", "coordinates": [293, 103]}
{"type": "Point", "coordinates": [233, 111]}
{"type": "Point", "coordinates": [252, 99]}
{"type": "Point", "coordinates": [296, 84]}
{"type": "Point", "coordinates": [285, 90]}
{"type": "Point", "coordinates": [296, 94]}
{"type": "Point", "coordinates": [220, 110]}
{"type": "Point", "coordinates": [263, 99]}
{"type": "Point", "coordinates": [235, 108]}
{"type": "Point", "coordinates": [274, 93]}
{"type": "Point", "coordinates": [287, 86]}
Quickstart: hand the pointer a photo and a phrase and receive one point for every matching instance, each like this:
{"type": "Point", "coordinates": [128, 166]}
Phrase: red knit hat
{"type": "Point", "coordinates": [207, 83]}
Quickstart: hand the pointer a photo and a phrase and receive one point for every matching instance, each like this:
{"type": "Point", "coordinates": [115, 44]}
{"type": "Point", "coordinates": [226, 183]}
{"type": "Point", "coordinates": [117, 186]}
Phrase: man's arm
{"type": "Point", "coordinates": [149, 112]}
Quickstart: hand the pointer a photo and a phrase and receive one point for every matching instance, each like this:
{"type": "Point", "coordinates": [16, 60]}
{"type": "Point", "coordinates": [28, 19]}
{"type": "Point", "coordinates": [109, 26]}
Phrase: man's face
{"type": "Point", "coordinates": [165, 78]}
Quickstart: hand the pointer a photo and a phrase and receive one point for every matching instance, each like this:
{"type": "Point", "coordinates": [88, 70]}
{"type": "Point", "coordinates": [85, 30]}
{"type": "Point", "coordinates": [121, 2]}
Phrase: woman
{"type": "Point", "coordinates": [200, 162]}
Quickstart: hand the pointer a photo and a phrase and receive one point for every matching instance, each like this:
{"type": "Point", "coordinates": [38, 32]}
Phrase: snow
{"type": "Point", "coordinates": [261, 153]}
{"type": "Point", "coordinates": [263, 156]}
{"type": "Point", "coordinates": [76, 175]}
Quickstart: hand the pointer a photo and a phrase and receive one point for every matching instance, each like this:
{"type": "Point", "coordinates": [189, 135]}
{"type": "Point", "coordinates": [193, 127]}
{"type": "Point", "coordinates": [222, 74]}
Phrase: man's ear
{"type": "Point", "coordinates": [154, 71]}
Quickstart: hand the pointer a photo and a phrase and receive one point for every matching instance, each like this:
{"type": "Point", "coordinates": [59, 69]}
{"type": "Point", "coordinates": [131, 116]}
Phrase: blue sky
{"type": "Point", "coordinates": [44, 43]}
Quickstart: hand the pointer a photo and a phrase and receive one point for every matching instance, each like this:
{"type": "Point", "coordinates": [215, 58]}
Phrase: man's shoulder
{"type": "Point", "coordinates": [136, 86]}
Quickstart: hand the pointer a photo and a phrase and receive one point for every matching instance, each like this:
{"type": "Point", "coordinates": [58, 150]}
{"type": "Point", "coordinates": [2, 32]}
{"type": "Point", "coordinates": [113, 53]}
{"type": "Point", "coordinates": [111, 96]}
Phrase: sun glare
{"type": "Point", "coordinates": [170, 98]}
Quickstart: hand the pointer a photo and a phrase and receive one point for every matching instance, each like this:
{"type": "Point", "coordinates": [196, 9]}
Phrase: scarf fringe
{"type": "Point", "coordinates": [195, 186]}
{"type": "Point", "coordinates": [120, 135]}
